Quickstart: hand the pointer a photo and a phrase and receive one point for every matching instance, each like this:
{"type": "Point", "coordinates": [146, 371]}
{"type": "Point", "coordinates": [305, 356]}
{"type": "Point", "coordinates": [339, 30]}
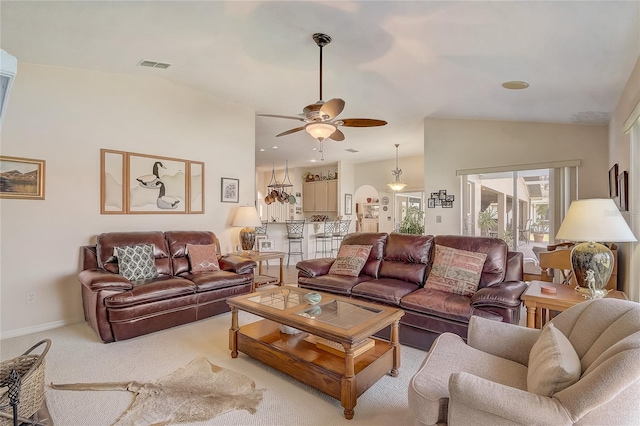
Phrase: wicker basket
{"type": "Point", "coordinates": [30, 367]}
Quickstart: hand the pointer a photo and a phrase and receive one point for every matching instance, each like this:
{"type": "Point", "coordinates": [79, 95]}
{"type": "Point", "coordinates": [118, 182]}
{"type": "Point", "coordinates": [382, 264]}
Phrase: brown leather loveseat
{"type": "Point", "coordinates": [397, 269]}
{"type": "Point", "coordinates": [120, 309]}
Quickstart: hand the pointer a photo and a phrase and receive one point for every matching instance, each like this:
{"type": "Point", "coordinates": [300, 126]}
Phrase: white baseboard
{"type": "Point", "coordinates": [40, 327]}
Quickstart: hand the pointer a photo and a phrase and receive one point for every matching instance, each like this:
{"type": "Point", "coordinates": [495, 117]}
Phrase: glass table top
{"type": "Point", "coordinates": [340, 314]}
{"type": "Point", "coordinates": [282, 298]}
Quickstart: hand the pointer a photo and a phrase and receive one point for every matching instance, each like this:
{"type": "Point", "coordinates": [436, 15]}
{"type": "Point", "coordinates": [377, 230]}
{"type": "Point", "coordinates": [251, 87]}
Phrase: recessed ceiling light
{"type": "Point", "coordinates": [313, 161]}
{"type": "Point", "coordinates": [261, 149]}
{"type": "Point", "coordinates": [314, 149]}
{"type": "Point", "coordinates": [515, 85]}
{"type": "Point", "coordinates": [274, 147]}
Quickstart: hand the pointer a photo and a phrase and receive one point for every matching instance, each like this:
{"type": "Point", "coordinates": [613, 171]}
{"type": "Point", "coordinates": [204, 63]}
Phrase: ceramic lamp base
{"type": "Point", "coordinates": [247, 238]}
{"type": "Point", "coordinates": [592, 265]}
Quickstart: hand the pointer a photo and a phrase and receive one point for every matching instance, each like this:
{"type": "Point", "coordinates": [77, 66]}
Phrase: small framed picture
{"type": "Point", "coordinates": [431, 203]}
{"type": "Point", "coordinates": [230, 190]}
{"type": "Point", "coordinates": [623, 191]}
{"type": "Point", "coordinates": [447, 204]}
{"type": "Point", "coordinates": [434, 195]}
{"type": "Point", "coordinates": [442, 194]}
{"type": "Point", "coordinates": [613, 181]}
{"type": "Point", "coordinates": [449, 198]}
{"type": "Point", "coordinates": [348, 204]}
{"type": "Point", "coordinates": [438, 201]}
{"type": "Point", "coordinates": [266, 245]}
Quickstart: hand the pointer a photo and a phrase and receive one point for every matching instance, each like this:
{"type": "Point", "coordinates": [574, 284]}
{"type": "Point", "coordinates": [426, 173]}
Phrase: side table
{"type": "Point", "coordinates": [538, 304]}
{"type": "Point", "coordinates": [259, 257]}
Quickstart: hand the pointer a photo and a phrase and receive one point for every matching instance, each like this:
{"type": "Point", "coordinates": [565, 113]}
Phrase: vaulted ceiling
{"type": "Point", "coordinates": [399, 61]}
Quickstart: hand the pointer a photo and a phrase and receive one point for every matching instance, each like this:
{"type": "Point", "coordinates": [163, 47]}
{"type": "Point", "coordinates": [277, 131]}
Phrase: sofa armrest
{"type": "Point", "coordinates": [99, 279]}
{"type": "Point", "coordinates": [315, 267]}
{"type": "Point", "coordinates": [237, 264]}
{"type": "Point", "coordinates": [490, 336]}
{"type": "Point", "coordinates": [502, 295]}
{"type": "Point", "coordinates": [468, 403]}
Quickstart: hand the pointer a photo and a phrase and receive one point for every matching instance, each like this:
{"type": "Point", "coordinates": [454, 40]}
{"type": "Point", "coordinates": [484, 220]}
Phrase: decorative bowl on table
{"type": "Point", "coordinates": [313, 298]}
{"type": "Point", "coordinates": [286, 329]}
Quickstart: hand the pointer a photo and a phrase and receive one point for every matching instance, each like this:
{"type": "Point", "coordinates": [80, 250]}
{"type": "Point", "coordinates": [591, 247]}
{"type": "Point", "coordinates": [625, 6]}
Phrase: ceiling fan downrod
{"type": "Point", "coordinates": [321, 40]}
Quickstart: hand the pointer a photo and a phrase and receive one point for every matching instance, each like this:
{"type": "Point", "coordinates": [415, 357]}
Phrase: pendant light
{"type": "Point", "coordinates": [397, 184]}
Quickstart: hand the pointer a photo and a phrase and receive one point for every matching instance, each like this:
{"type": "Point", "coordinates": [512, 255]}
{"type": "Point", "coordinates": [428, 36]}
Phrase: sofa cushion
{"type": "Point", "coordinates": [495, 266]}
{"type": "Point", "coordinates": [386, 290]}
{"type": "Point", "coordinates": [350, 260]}
{"type": "Point", "coordinates": [177, 243]}
{"type": "Point", "coordinates": [337, 284]}
{"type": "Point", "coordinates": [406, 257]}
{"type": "Point", "coordinates": [106, 242]}
{"type": "Point", "coordinates": [136, 262]}
{"type": "Point", "coordinates": [553, 363]}
{"type": "Point", "coordinates": [206, 281]}
{"type": "Point", "coordinates": [159, 288]}
{"type": "Point", "coordinates": [455, 271]}
{"type": "Point", "coordinates": [444, 305]}
{"type": "Point", "coordinates": [377, 240]}
{"type": "Point", "coordinates": [203, 257]}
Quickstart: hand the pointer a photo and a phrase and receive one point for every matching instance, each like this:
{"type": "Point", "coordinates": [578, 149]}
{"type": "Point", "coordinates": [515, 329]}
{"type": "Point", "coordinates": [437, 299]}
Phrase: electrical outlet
{"type": "Point", "coordinates": [438, 219]}
{"type": "Point", "coordinates": [31, 297]}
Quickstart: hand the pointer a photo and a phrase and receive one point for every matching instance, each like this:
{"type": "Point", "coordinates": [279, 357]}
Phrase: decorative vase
{"type": "Point", "coordinates": [313, 298]}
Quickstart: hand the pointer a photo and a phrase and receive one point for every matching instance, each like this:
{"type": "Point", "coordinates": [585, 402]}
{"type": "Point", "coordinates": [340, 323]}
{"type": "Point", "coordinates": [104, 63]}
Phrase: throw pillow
{"type": "Point", "coordinates": [203, 258]}
{"type": "Point", "coordinates": [136, 262]}
{"type": "Point", "coordinates": [553, 363]}
{"type": "Point", "coordinates": [350, 260]}
{"type": "Point", "coordinates": [456, 271]}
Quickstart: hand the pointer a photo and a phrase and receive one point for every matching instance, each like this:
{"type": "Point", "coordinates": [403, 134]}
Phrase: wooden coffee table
{"type": "Point", "coordinates": [338, 319]}
{"type": "Point", "coordinates": [540, 304]}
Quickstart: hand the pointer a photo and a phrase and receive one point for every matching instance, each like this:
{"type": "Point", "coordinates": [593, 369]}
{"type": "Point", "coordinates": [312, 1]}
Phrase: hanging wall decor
{"type": "Point", "coordinates": [441, 199]}
{"type": "Point", "coordinates": [132, 183]}
{"type": "Point", "coordinates": [21, 178]}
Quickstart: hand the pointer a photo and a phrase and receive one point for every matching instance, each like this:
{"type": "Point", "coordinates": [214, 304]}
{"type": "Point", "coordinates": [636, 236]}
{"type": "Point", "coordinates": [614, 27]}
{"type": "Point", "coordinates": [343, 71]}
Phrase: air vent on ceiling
{"type": "Point", "coordinates": [154, 64]}
{"type": "Point", "coordinates": [351, 150]}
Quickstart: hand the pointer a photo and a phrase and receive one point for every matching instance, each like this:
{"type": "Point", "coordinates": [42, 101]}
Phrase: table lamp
{"type": "Point", "coordinates": [247, 216]}
{"type": "Point", "coordinates": [588, 221]}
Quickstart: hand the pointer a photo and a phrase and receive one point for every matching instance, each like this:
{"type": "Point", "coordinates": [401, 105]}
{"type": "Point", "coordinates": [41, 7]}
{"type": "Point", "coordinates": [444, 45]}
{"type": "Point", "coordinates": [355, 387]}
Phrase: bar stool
{"type": "Point", "coordinates": [342, 229]}
{"type": "Point", "coordinates": [261, 234]}
{"type": "Point", "coordinates": [295, 235]}
{"type": "Point", "coordinates": [329, 228]}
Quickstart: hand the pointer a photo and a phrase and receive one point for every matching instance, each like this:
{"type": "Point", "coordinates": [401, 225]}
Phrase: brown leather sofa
{"type": "Point", "coordinates": [119, 309]}
{"type": "Point", "coordinates": [397, 269]}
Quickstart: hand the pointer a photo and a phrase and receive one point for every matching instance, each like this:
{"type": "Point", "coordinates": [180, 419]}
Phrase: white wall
{"type": "Point", "coordinates": [64, 116]}
{"type": "Point", "coordinates": [451, 145]}
{"type": "Point", "coordinates": [620, 153]}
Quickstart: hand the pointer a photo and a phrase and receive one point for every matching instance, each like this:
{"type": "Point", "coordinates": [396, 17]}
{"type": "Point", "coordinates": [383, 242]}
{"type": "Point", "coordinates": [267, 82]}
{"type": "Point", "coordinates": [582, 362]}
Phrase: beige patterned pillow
{"type": "Point", "coordinates": [553, 363]}
{"type": "Point", "coordinates": [455, 271]}
{"type": "Point", "coordinates": [350, 260]}
{"type": "Point", "coordinates": [136, 262]}
{"type": "Point", "coordinates": [203, 258]}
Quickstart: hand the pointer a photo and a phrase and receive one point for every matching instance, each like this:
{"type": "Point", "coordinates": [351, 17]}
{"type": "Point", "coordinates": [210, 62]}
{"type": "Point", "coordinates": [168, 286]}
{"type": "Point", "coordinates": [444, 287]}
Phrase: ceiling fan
{"type": "Point", "coordinates": [320, 117]}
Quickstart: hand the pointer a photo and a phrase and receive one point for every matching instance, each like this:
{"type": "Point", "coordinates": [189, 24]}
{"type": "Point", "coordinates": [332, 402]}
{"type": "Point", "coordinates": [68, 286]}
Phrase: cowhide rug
{"type": "Point", "coordinates": [198, 392]}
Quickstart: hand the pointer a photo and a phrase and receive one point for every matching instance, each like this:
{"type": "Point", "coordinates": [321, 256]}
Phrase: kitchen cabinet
{"type": "Point", "coordinates": [369, 225]}
{"type": "Point", "coordinates": [321, 196]}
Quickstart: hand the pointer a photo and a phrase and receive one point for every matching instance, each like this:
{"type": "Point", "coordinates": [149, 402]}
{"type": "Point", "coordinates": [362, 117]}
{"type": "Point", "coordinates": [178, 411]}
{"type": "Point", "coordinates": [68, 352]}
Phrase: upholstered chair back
{"type": "Point", "coordinates": [495, 266]}
{"type": "Point", "coordinates": [375, 239]}
{"type": "Point", "coordinates": [406, 257]}
{"type": "Point", "coordinates": [177, 242]}
{"type": "Point", "coordinates": [606, 337]}
{"type": "Point", "coordinates": [105, 243]}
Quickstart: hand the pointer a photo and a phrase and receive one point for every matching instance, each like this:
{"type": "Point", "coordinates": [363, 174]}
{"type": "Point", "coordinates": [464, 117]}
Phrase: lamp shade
{"type": "Point", "coordinates": [397, 186]}
{"type": "Point", "coordinates": [595, 219]}
{"type": "Point", "coordinates": [247, 216]}
{"type": "Point", "coordinates": [320, 130]}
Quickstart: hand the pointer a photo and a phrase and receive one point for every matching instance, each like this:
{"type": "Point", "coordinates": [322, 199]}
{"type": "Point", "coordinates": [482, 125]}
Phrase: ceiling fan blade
{"type": "Point", "coordinates": [332, 108]}
{"type": "Point", "coordinates": [288, 132]}
{"type": "Point", "coordinates": [362, 122]}
{"type": "Point", "coordinates": [337, 135]}
{"type": "Point", "coordinates": [290, 117]}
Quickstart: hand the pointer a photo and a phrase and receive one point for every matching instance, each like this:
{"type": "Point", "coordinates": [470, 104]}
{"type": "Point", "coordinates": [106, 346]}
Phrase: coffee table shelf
{"type": "Point", "coordinates": [301, 359]}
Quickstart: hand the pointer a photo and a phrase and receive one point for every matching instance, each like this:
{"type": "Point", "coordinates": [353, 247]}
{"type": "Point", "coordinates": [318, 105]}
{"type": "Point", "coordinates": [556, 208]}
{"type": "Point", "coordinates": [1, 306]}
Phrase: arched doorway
{"type": "Point", "coordinates": [367, 209]}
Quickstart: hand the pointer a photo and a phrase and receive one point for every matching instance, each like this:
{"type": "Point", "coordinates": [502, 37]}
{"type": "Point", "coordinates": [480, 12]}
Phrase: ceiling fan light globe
{"type": "Point", "coordinates": [320, 131]}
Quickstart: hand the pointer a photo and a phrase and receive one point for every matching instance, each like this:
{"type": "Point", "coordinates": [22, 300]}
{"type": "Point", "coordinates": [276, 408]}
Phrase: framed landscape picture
{"type": "Point", "coordinates": [21, 178]}
{"type": "Point", "coordinates": [229, 190]}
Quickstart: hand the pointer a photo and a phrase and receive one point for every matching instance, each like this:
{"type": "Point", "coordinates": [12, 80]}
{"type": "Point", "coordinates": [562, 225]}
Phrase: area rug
{"type": "Point", "coordinates": [198, 392]}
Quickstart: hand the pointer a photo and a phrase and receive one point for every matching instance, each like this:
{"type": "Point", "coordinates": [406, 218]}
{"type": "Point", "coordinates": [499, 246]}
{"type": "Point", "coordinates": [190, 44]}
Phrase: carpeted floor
{"type": "Point", "coordinates": [77, 355]}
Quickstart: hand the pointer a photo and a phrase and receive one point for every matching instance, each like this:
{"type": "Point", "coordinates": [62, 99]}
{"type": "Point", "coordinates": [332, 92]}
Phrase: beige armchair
{"type": "Point", "coordinates": [485, 380]}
